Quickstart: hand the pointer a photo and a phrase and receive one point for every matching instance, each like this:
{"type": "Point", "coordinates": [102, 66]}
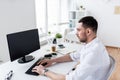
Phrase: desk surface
{"type": "Point", "coordinates": [20, 69]}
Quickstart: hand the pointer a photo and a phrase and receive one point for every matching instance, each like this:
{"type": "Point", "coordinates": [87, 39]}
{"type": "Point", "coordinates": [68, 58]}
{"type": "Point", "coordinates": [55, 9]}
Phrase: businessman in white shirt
{"type": "Point", "coordinates": [93, 57]}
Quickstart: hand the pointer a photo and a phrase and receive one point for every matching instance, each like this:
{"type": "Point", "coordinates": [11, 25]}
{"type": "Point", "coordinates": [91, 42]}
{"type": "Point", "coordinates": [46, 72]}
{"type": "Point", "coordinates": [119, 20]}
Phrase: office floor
{"type": "Point", "coordinates": [115, 53]}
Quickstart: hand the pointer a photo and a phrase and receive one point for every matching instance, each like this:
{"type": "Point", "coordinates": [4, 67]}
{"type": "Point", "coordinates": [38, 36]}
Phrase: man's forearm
{"type": "Point", "coordinates": [65, 58]}
{"type": "Point", "coordinates": [55, 76]}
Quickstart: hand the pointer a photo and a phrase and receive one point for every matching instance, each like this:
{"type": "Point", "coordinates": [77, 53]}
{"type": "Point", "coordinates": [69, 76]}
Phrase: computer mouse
{"type": "Point", "coordinates": [48, 55]}
{"type": "Point", "coordinates": [61, 46]}
{"type": "Point", "coordinates": [54, 53]}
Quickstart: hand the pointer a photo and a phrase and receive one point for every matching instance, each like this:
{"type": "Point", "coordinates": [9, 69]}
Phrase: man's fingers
{"type": "Point", "coordinates": [34, 70]}
{"type": "Point", "coordinates": [41, 62]}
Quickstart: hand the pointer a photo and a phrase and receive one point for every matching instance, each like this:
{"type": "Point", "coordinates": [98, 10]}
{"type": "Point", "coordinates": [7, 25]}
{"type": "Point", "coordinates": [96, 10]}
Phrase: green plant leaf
{"type": "Point", "coordinates": [58, 35]}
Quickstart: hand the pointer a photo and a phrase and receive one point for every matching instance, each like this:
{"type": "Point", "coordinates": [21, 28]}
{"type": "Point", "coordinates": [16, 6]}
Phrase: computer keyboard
{"type": "Point", "coordinates": [29, 71]}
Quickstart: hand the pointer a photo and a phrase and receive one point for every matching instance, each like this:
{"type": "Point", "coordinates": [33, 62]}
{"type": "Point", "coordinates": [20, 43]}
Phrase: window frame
{"type": "Point", "coordinates": [59, 24]}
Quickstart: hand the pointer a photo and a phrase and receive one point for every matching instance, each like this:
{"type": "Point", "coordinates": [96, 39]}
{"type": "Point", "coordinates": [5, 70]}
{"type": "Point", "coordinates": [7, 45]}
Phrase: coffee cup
{"type": "Point", "coordinates": [53, 48]}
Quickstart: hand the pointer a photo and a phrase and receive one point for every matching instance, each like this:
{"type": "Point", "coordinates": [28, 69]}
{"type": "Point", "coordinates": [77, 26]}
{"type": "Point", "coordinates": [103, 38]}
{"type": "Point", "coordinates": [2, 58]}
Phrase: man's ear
{"type": "Point", "coordinates": [88, 31]}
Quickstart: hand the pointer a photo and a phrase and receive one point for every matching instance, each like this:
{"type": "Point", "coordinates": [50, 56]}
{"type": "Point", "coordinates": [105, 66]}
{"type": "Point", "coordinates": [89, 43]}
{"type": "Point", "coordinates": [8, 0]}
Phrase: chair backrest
{"type": "Point", "coordinates": [111, 68]}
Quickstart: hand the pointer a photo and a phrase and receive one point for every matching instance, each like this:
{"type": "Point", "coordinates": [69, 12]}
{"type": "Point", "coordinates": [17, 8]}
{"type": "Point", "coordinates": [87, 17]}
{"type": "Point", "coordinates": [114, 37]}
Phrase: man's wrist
{"type": "Point", "coordinates": [54, 60]}
{"type": "Point", "coordinates": [44, 72]}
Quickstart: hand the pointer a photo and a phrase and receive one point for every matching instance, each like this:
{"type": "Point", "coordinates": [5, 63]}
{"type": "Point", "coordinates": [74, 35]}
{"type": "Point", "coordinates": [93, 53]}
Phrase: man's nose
{"type": "Point", "coordinates": [77, 34]}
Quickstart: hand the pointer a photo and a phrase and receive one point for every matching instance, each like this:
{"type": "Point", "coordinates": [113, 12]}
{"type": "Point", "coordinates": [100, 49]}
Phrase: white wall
{"type": "Point", "coordinates": [15, 16]}
{"type": "Point", "coordinates": [109, 23]}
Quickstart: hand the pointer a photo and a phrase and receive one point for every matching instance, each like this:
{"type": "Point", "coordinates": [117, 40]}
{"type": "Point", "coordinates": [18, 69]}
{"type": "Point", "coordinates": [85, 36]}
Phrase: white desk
{"type": "Point", "coordinates": [19, 69]}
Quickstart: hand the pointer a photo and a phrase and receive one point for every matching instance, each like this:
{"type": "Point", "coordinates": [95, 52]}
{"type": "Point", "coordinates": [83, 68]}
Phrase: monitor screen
{"type": "Point", "coordinates": [23, 43]}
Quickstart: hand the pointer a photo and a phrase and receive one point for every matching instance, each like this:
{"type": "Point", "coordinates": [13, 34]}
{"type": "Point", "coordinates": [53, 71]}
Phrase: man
{"type": "Point", "coordinates": [93, 57]}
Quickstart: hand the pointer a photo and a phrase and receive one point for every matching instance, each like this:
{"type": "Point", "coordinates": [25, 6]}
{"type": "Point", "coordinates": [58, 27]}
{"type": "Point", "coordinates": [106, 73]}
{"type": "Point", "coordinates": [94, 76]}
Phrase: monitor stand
{"type": "Point", "coordinates": [25, 59]}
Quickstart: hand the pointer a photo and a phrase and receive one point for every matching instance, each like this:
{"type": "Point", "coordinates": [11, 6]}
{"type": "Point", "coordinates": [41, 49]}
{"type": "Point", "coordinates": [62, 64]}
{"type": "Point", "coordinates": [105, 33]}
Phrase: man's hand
{"type": "Point", "coordinates": [54, 76]}
{"type": "Point", "coordinates": [39, 69]}
{"type": "Point", "coordinates": [48, 62]}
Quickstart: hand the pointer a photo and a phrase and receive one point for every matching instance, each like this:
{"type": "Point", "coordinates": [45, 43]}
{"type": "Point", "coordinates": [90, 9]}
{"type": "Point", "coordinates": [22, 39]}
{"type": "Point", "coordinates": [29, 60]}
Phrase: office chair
{"type": "Point", "coordinates": [111, 68]}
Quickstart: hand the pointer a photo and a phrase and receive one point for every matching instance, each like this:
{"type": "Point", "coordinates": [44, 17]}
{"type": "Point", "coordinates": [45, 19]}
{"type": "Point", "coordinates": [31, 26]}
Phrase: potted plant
{"type": "Point", "coordinates": [58, 36]}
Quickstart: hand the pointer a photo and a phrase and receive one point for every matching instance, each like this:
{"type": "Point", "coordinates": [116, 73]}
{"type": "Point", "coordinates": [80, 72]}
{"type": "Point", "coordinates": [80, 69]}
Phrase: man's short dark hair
{"type": "Point", "coordinates": [89, 22]}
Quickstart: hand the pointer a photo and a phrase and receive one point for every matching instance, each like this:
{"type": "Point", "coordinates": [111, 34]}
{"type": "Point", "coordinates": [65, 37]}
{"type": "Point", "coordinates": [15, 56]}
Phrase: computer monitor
{"type": "Point", "coordinates": [21, 44]}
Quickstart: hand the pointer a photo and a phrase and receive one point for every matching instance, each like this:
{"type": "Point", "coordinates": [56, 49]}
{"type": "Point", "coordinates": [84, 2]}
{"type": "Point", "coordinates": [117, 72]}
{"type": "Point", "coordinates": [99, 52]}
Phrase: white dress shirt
{"type": "Point", "coordinates": [94, 62]}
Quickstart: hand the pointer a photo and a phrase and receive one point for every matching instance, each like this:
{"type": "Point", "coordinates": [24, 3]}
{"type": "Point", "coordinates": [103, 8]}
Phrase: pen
{"type": "Point", "coordinates": [9, 75]}
{"type": "Point", "coordinates": [71, 70]}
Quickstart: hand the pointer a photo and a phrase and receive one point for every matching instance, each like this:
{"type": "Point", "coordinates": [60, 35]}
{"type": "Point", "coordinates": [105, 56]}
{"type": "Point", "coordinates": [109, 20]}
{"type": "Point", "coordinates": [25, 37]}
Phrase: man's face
{"type": "Point", "coordinates": [81, 33]}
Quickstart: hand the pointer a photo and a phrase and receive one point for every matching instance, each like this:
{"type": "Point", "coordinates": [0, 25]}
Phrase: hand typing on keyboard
{"type": "Point", "coordinates": [45, 62]}
{"type": "Point", "coordinates": [39, 69]}
{"type": "Point", "coordinates": [29, 71]}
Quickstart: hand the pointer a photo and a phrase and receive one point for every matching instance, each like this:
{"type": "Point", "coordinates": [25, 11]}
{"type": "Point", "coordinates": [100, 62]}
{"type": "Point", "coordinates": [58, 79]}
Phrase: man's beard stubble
{"type": "Point", "coordinates": [83, 40]}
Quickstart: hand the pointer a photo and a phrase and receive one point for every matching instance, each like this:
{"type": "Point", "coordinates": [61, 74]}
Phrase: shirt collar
{"type": "Point", "coordinates": [91, 42]}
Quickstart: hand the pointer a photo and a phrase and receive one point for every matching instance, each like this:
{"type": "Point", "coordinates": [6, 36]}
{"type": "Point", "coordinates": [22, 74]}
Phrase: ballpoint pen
{"type": "Point", "coordinates": [9, 75]}
{"type": "Point", "coordinates": [71, 70]}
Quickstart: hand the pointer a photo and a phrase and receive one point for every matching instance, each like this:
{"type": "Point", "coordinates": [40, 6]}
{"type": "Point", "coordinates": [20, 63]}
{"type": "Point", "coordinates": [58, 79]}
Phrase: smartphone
{"type": "Point", "coordinates": [61, 46]}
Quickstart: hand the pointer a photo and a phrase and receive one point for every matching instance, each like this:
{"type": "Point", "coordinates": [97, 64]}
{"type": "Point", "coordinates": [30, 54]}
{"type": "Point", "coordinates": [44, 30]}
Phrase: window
{"type": "Point", "coordinates": [64, 16]}
{"type": "Point", "coordinates": [51, 15]}
{"type": "Point", "coordinates": [41, 15]}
